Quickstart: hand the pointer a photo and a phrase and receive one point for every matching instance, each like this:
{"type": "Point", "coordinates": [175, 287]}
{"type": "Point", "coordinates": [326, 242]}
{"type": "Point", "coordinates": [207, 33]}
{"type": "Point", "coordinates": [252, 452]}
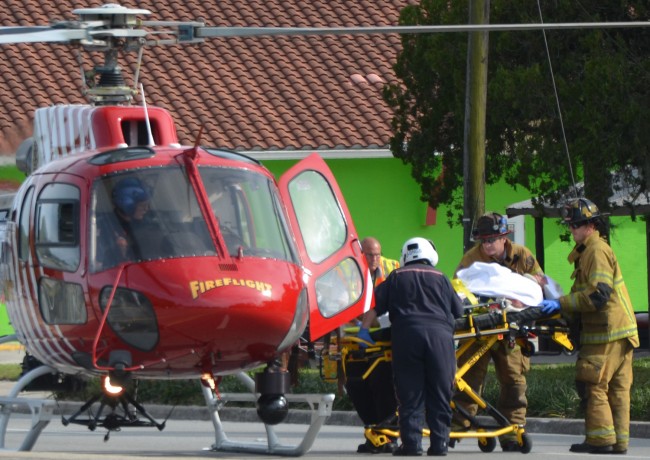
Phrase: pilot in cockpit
{"type": "Point", "coordinates": [131, 230]}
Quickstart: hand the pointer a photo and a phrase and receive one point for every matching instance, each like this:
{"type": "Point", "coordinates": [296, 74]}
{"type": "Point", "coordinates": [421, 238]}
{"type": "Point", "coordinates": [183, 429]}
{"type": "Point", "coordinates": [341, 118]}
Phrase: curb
{"type": "Point", "coordinates": [11, 346]}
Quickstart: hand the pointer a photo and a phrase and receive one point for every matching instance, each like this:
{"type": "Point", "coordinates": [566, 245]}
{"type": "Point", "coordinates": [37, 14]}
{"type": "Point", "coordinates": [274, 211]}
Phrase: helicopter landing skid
{"type": "Point", "coordinates": [41, 410]}
{"type": "Point", "coordinates": [321, 409]}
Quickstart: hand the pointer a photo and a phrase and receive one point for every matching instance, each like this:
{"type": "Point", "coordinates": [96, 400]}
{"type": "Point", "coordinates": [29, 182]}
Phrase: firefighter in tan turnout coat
{"type": "Point", "coordinates": [609, 331]}
{"type": "Point", "coordinates": [511, 365]}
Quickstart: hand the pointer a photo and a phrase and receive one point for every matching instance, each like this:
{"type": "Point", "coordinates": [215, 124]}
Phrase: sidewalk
{"type": "Point", "coordinates": [11, 352]}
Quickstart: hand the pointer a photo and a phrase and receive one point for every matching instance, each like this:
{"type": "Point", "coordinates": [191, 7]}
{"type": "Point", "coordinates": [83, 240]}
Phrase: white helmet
{"type": "Point", "coordinates": [417, 249]}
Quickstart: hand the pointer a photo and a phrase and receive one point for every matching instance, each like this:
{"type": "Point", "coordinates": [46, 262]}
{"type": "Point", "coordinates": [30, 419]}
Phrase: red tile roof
{"type": "Point", "coordinates": [249, 93]}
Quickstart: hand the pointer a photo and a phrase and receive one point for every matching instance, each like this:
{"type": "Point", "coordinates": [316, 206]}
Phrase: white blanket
{"type": "Point", "coordinates": [494, 280]}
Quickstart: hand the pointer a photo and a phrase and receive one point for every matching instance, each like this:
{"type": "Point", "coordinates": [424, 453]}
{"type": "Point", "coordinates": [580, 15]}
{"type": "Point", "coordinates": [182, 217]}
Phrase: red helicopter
{"type": "Point", "coordinates": [128, 256]}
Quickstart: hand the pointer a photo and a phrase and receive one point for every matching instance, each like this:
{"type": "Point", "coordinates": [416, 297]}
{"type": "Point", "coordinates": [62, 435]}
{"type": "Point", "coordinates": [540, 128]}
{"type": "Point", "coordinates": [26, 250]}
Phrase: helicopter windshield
{"type": "Point", "coordinates": [247, 207]}
{"type": "Point", "coordinates": [153, 213]}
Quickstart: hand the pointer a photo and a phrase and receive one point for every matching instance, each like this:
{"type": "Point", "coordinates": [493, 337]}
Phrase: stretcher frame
{"type": "Point", "coordinates": [476, 326]}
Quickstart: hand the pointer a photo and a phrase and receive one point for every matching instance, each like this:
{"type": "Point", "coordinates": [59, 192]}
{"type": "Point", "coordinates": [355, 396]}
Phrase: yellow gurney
{"type": "Point", "coordinates": [480, 329]}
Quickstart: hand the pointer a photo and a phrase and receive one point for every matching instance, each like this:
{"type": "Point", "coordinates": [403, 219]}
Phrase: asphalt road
{"type": "Point", "coordinates": [187, 439]}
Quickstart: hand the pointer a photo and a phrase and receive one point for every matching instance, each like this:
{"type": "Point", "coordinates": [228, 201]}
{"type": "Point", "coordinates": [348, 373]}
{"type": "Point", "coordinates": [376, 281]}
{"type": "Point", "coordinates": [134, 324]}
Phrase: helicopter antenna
{"type": "Point", "coordinates": [146, 117]}
{"type": "Point", "coordinates": [557, 102]}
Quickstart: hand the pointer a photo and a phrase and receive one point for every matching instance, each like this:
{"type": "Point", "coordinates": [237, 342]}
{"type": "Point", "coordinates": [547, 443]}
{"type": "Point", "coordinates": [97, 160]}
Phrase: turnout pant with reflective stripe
{"type": "Point", "coordinates": [604, 379]}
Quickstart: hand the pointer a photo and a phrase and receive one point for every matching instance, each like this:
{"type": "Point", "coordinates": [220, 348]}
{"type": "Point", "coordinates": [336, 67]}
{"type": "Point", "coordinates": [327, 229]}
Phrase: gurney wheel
{"type": "Point", "coordinates": [487, 444]}
{"type": "Point", "coordinates": [567, 352]}
{"type": "Point", "coordinates": [526, 444]}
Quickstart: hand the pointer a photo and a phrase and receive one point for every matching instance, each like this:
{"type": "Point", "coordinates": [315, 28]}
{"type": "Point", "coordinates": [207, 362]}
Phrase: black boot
{"type": "Point", "coordinates": [403, 451]}
{"type": "Point", "coordinates": [437, 449]}
{"type": "Point", "coordinates": [586, 448]}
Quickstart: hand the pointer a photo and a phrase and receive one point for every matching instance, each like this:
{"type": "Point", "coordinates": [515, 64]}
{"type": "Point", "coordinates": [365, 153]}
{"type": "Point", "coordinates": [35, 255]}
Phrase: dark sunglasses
{"type": "Point", "coordinates": [577, 225]}
{"type": "Point", "coordinates": [490, 240]}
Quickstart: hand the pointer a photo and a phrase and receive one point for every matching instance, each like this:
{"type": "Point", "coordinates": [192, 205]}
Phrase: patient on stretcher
{"type": "Point", "coordinates": [495, 281]}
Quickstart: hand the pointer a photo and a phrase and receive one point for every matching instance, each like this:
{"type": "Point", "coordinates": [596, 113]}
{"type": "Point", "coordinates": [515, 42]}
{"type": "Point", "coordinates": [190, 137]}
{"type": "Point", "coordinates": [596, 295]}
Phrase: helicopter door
{"type": "Point", "coordinates": [339, 278]}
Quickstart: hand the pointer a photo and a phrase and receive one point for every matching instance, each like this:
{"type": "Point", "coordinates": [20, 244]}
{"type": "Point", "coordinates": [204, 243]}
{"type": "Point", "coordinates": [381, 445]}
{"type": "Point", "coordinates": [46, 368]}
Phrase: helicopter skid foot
{"type": "Point", "coordinates": [321, 409]}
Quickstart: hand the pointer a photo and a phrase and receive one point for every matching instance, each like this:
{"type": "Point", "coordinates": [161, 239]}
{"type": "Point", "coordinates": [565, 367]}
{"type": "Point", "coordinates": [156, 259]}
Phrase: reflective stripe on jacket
{"type": "Point", "coordinates": [383, 270]}
{"type": "Point", "coordinates": [599, 294]}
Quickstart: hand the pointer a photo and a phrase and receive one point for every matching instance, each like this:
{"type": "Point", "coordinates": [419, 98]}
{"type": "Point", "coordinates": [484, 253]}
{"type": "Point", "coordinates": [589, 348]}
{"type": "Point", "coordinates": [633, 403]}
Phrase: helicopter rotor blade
{"type": "Point", "coordinates": [40, 34]}
{"type": "Point", "coordinates": [205, 32]}
{"type": "Point", "coordinates": [194, 32]}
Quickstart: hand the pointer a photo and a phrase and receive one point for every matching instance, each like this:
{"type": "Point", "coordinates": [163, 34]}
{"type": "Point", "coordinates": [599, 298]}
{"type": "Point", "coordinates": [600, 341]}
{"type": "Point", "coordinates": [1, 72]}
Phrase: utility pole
{"type": "Point", "coordinates": [474, 129]}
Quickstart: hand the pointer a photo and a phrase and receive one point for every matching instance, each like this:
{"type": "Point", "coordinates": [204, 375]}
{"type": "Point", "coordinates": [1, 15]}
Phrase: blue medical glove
{"type": "Point", "coordinates": [364, 334]}
{"type": "Point", "coordinates": [550, 306]}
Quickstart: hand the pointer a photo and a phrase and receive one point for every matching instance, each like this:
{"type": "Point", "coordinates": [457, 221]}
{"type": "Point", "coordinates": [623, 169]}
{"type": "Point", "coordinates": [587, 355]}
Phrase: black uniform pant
{"type": "Point", "coordinates": [373, 397]}
{"type": "Point", "coordinates": [424, 367]}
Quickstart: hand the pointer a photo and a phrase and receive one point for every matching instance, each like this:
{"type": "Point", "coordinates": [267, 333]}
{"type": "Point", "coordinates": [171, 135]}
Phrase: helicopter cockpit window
{"type": "Point", "coordinates": [145, 214]}
{"type": "Point", "coordinates": [248, 212]}
{"type": "Point", "coordinates": [57, 227]}
{"type": "Point", "coordinates": [321, 221]}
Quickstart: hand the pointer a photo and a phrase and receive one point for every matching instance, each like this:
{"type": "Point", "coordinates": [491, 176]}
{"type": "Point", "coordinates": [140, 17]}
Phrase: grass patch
{"type": "Point", "coordinates": [10, 371]}
{"type": "Point", "coordinates": [11, 174]}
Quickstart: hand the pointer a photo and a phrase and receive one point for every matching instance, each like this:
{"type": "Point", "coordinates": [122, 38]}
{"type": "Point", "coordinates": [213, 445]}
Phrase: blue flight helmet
{"type": "Point", "coordinates": [127, 193]}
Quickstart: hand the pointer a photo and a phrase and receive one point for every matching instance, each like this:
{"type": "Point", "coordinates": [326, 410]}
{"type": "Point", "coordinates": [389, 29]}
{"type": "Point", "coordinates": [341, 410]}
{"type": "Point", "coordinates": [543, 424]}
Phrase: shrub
{"type": "Point", "coordinates": [551, 390]}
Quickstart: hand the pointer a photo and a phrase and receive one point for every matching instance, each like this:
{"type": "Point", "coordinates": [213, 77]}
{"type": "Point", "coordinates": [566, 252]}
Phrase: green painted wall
{"type": "Point", "coordinates": [384, 202]}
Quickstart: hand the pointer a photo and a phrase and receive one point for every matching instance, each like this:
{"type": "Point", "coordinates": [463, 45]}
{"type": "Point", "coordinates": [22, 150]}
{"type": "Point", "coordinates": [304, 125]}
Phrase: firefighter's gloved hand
{"type": "Point", "coordinates": [364, 334]}
{"type": "Point", "coordinates": [550, 306]}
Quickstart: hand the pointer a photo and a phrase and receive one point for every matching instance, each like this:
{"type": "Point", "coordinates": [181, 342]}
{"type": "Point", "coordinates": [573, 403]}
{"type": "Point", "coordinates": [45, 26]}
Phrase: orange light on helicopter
{"type": "Point", "coordinates": [109, 388]}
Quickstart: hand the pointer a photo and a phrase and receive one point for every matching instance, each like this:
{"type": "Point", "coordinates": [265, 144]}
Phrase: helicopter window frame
{"type": "Point", "coordinates": [232, 155]}
{"type": "Point", "coordinates": [61, 302]}
{"type": "Point", "coordinates": [68, 230]}
{"type": "Point", "coordinates": [173, 226]}
{"type": "Point", "coordinates": [248, 210]}
{"type": "Point", "coordinates": [323, 227]}
{"type": "Point", "coordinates": [57, 226]}
{"type": "Point", "coordinates": [23, 225]}
{"type": "Point", "coordinates": [339, 288]}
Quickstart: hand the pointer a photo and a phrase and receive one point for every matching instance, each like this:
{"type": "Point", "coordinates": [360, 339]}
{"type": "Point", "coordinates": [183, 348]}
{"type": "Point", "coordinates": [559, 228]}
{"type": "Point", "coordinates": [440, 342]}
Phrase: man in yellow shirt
{"type": "Point", "coordinates": [379, 265]}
